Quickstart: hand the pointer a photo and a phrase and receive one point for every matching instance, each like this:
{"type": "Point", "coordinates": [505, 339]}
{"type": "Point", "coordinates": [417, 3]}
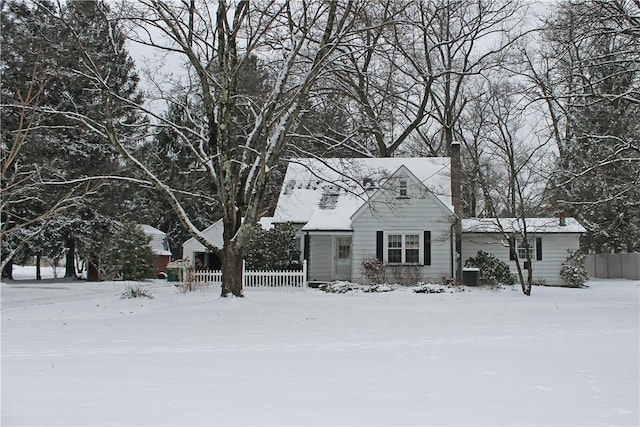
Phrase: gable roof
{"type": "Point", "coordinates": [158, 241]}
{"type": "Point", "coordinates": [214, 233]}
{"type": "Point", "coordinates": [325, 193]}
{"type": "Point", "coordinates": [515, 225]}
{"type": "Point", "coordinates": [403, 173]}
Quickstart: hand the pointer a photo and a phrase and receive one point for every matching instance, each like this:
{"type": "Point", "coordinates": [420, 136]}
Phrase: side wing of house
{"type": "Point", "coordinates": [198, 255]}
{"type": "Point", "coordinates": [548, 252]}
{"type": "Point", "coordinates": [407, 227]}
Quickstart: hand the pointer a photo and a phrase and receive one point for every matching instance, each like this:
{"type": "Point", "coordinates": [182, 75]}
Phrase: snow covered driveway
{"type": "Point", "coordinates": [77, 354]}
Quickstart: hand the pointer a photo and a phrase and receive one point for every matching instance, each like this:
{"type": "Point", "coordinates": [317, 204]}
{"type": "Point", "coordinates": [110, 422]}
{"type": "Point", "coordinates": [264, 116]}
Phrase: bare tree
{"type": "Point", "coordinates": [510, 168]}
{"type": "Point", "coordinates": [294, 41]}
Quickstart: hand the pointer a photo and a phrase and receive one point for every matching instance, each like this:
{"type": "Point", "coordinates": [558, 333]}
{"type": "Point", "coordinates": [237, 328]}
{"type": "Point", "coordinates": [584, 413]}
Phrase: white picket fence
{"type": "Point", "coordinates": [257, 279]}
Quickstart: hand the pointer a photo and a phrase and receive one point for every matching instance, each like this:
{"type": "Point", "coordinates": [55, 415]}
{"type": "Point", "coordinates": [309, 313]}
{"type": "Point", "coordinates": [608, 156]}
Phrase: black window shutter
{"type": "Point", "coordinates": [512, 249]}
{"type": "Point", "coordinates": [307, 241]}
{"type": "Point", "coordinates": [379, 245]}
{"type": "Point", "coordinates": [427, 248]}
{"type": "Point", "coordinates": [538, 248]}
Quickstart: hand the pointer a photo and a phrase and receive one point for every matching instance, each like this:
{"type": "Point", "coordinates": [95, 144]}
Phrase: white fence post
{"type": "Point", "coordinates": [258, 278]}
{"type": "Point", "coordinates": [244, 274]}
{"type": "Point", "coordinates": [304, 274]}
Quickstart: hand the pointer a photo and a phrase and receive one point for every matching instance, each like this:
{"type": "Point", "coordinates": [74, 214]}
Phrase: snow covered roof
{"type": "Point", "coordinates": [266, 222]}
{"type": "Point", "coordinates": [214, 234]}
{"type": "Point", "coordinates": [158, 242]}
{"type": "Point", "coordinates": [323, 194]}
{"type": "Point", "coordinates": [515, 225]}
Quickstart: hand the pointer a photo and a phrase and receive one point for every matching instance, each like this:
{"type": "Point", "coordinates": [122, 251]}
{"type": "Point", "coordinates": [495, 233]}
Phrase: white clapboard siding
{"type": "Point", "coordinates": [546, 270]}
{"type": "Point", "coordinates": [418, 213]}
{"type": "Point", "coordinates": [257, 279]}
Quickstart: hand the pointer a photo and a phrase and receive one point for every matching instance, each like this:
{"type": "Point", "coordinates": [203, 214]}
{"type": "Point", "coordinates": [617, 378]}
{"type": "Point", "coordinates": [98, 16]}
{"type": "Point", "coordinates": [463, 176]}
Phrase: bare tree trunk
{"type": "Point", "coordinates": [7, 270]}
{"type": "Point", "coordinates": [70, 257]}
{"type": "Point", "coordinates": [93, 272]}
{"type": "Point", "coordinates": [231, 272]}
{"type": "Point", "coordinates": [38, 271]}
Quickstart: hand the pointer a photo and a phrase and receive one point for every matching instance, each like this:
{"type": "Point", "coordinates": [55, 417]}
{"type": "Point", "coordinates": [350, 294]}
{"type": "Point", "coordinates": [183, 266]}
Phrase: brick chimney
{"type": "Point", "coordinates": [562, 214]}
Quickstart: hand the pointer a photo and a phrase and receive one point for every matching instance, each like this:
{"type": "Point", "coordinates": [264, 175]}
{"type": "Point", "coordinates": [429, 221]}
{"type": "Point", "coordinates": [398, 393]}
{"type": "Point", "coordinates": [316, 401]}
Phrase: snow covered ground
{"type": "Point", "coordinates": [74, 353]}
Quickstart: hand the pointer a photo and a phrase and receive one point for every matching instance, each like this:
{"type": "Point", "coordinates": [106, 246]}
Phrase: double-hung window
{"type": "Point", "coordinates": [403, 248]}
{"type": "Point", "coordinates": [522, 249]}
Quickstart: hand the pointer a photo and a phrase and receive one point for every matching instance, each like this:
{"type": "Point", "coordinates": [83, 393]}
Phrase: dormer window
{"type": "Point", "coordinates": [367, 183]}
{"type": "Point", "coordinates": [402, 189]}
{"type": "Point", "coordinates": [328, 200]}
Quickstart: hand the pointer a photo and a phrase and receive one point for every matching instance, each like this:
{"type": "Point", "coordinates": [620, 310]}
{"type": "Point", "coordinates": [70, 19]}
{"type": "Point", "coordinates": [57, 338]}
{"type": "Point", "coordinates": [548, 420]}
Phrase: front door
{"type": "Point", "coordinates": [343, 258]}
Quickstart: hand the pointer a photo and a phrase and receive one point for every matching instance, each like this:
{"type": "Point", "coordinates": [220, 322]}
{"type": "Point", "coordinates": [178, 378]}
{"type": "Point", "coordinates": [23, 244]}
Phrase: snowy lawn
{"type": "Point", "coordinates": [76, 354]}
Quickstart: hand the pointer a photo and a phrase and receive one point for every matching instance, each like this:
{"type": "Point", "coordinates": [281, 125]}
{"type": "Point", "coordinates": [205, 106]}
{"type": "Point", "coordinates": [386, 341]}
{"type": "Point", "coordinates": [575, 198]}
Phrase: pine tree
{"type": "Point", "coordinates": [597, 52]}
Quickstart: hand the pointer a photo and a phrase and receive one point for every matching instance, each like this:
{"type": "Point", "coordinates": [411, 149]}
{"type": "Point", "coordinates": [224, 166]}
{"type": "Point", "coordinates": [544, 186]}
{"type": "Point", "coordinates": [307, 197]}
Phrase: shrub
{"type": "Point", "coordinates": [492, 270]}
{"type": "Point", "coordinates": [273, 249]}
{"type": "Point", "coordinates": [407, 275]}
{"type": "Point", "coordinates": [373, 270]}
{"type": "Point", "coordinates": [344, 287]}
{"type": "Point", "coordinates": [573, 271]}
{"type": "Point", "coordinates": [430, 288]}
{"type": "Point", "coordinates": [135, 292]}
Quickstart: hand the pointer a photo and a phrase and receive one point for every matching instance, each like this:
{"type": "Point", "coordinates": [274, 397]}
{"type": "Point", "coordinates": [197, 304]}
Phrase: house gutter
{"type": "Point", "coordinates": [307, 253]}
{"type": "Point", "coordinates": [452, 249]}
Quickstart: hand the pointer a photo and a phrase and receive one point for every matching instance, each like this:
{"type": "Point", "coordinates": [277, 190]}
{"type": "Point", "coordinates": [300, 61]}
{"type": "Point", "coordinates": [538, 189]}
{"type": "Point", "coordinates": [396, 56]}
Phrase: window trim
{"type": "Point", "coordinates": [519, 246]}
{"type": "Point", "coordinates": [403, 247]}
{"type": "Point", "coordinates": [403, 189]}
{"type": "Point", "coordinates": [534, 249]}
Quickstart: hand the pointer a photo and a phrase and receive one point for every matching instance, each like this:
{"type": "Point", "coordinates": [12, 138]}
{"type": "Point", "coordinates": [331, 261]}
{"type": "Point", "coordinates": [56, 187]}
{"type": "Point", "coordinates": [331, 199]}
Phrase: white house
{"type": "Point", "coordinates": [399, 211]}
{"type": "Point", "coordinates": [201, 257]}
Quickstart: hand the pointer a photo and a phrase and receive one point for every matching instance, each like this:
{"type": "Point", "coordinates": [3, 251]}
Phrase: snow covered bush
{"type": "Point", "coordinates": [273, 249]}
{"type": "Point", "coordinates": [373, 270]}
{"type": "Point", "coordinates": [430, 288]}
{"type": "Point", "coordinates": [492, 270]}
{"type": "Point", "coordinates": [573, 271]}
{"type": "Point", "coordinates": [341, 287]}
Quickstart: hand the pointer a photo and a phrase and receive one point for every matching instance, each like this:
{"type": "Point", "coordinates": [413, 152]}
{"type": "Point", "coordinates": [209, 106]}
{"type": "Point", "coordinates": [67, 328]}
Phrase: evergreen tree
{"type": "Point", "coordinates": [48, 54]}
{"type": "Point", "coordinates": [124, 253]}
{"type": "Point", "coordinates": [30, 154]}
{"type": "Point", "coordinates": [84, 25]}
{"type": "Point", "coordinates": [596, 56]}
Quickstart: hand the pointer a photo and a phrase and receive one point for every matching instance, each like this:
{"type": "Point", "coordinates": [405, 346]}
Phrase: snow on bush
{"type": "Point", "coordinates": [341, 287]}
{"type": "Point", "coordinates": [374, 270]}
{"type": "Point", "coordinates": [125, 254]}
{"type": "Point", "coordinates": [492, 270]}
{"type": "Point", "coordinates": [573, 271]}
{"type": "Point", "coordinates": [273, 249]}
{"type": "Point", "coordinates": [431, 288]}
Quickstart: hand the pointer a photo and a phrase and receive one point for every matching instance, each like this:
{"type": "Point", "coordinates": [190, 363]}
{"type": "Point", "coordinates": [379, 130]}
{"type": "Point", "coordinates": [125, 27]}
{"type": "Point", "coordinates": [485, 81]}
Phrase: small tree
{"type": "Point", "coordinates": [126, 254]}
{"type": "Point", "coordinates": [573, 271]}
